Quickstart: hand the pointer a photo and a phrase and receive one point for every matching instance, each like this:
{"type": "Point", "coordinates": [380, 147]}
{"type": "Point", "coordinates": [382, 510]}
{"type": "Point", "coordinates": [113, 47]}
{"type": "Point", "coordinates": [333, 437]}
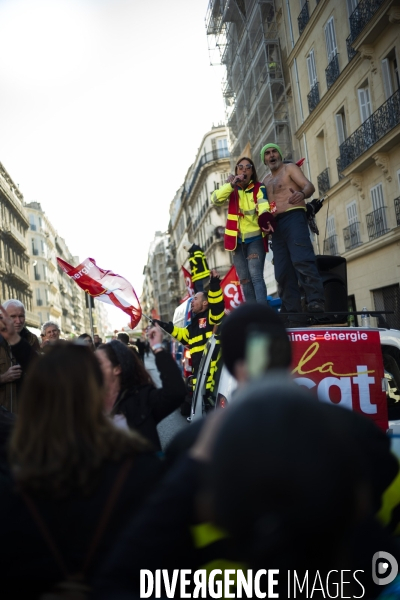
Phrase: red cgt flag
{"type": "Point", "coordinates": [106, 286]}
{"type": "Point", "coordinates": [188, 283]}
{"type": "Point", "coordinates": [232, 291]}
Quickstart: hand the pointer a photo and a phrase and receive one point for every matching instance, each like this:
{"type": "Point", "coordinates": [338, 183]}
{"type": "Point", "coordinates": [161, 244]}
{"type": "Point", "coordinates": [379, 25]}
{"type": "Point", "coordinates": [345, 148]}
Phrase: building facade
{"type": "Point", "coordinates": [14, 257]}
{"type": "Point", "coordinates": [337, 63]}
{"type": "Point", "coordinates": [192, 217]}
{"type": "Point", "coordinates": [43, 275]}
{"type": "Point", "coordinates": [344, 79]}
{"type": "Point", "coordinates": [156, 299]}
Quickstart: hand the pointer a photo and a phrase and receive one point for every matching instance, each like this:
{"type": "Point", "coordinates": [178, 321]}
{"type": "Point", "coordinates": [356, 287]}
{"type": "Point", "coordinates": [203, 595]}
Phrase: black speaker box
{"type": "Point", "coordinates": [333, 271]}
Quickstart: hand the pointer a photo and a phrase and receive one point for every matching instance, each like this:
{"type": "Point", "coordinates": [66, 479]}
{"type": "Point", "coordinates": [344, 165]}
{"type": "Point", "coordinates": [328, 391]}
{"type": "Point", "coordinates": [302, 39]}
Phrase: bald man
{"type": "Point", "coordinates": [294, 258]}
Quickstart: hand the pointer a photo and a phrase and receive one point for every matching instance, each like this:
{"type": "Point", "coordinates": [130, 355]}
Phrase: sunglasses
{"type": "Point", "coordinates": [242, 167]}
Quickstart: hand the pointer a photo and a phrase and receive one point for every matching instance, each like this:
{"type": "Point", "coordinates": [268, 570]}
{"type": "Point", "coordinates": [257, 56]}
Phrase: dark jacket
{"type": "Point", "coordinates": [22, 354]}
{"type": "Point", "coordinates": [200, 329]}
{"type": "Point", "coordinates": [27, 566]}
{"type": "Point", "coordinates": [198, 263]}
{"type": "Point", "coordinates": [145, 406]}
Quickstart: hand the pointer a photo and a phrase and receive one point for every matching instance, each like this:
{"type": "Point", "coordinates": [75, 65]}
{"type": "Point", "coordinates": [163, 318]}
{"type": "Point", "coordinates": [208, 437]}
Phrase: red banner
{"type": "Point", "coordinates": [106, 286]}
{"type": "Point", "coordinates": [232, 291]}
{"type": "Point", "coordinates": [344, 367]}
{"type": "Point", "coordinates": [188, 283]}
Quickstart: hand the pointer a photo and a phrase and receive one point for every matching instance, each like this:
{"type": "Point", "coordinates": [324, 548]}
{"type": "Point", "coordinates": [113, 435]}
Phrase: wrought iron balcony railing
{"type": "Point", "coordinates": [330, 245]}
{"type": "Point", "coordinates": [332, 71]}
{"type": "Point", "coordinates": [351, 236]}
{"type": "Point", "coordinates": [361, 15]}
{"type": "Point", "coordinates": [216, 154]}
{"type": "Point", "coordinates": [350, 50]}
{"type": "Point", "coordinates": [303, 18]}
{"type": "Point", "coordinates": [323, 182]}
{"type": "Point", "coordinates": [339, 168]}
{"type": "Point", "coordinates": [373, 129]}
{"type": "Point", "coordinates": [377, 223]}
{"type": "Point", "coordinates": [313, 97]}
{"type": "Point", "coordinates": [397, 209]}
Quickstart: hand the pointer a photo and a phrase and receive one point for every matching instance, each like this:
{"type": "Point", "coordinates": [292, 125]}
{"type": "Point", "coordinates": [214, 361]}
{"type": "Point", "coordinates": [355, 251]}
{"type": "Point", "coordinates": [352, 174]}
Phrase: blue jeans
{"type": "Point", "coordinates": [249, 263]}
{"type": "Point", "coordinates": [294, 261]}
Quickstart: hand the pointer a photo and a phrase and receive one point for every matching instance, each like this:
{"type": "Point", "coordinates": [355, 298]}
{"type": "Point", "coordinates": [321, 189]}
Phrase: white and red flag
{"type": "Point", "coordinates": [106, 286]}
{"type": "Point", "coordinates": [232, 291]}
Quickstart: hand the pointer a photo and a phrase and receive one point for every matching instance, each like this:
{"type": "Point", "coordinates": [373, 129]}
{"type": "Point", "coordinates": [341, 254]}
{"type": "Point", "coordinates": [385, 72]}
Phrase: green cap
{"type": "Point", "coordinates": [264, 148]}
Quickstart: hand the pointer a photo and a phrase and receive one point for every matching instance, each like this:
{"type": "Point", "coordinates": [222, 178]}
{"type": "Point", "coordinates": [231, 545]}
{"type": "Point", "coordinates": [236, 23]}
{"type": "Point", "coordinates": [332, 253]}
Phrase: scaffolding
{"type": "Point", "coordinates": [243, 36]}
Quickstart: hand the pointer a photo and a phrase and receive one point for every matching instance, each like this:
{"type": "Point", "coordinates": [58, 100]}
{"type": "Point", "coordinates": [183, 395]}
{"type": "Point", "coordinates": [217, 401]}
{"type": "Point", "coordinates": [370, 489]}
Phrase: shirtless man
{"type": "Point", "coordinates": [294, 258]}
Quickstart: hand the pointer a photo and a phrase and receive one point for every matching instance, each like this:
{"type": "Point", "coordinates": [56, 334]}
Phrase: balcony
{"type": "Point", "coordinates": [19, 274]}
{"type": "Point", "coordinates": [373, 129]}
{"type": "Point", "coordinates": [351, 236]}
{"type": "Point", "coordinates": [330, 245]}
{"type": "Point", "coordinates": [313, 97]}
{"type": "Point", "coordinates": [397, 209]}
{"type": "Point", "coordinates": [214, 155]}
{"type": "Point", "coordinates": [323, 182]}
{"type": "Point", "coordinates": [361, 15]}
{"type": "Point", "coordinates": [303, 18]}
{"type": "Point", "coordinates": [377, 223]}
{"type": "Point", "coordinates": [15, 235]}
{"type": "Point", "coordinates": [332, 71]}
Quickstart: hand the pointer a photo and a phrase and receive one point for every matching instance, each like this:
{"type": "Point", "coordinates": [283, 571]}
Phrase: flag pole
{"type": "Point", "coordinates": [91, 316]}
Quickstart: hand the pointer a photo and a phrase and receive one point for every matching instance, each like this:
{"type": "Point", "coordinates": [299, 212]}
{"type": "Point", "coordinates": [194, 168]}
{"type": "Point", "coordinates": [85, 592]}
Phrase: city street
{"type": "Point", "coordinates": [174, 422]}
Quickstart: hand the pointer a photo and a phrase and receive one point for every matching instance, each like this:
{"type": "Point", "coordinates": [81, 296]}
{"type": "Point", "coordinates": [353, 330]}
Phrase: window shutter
{"type": "Point", "coordinates": [377, 197]}
{"type": "Point", "coordinates": [351, 5]}
{"type": "Point", "coordinates": [365, 104]}
{"type": "Point", "coordinates": [312, 72]}
{"type": "Point", "coordinates": [352, 212]}
{"type": "Point", "coordinates": [330, 38]}
{"type": "Point", "coordinates": [387, 82]}
{"type": "Point", "coordinates": [340, 128]}
{"type": "Point", "coordinates": [330, 226]}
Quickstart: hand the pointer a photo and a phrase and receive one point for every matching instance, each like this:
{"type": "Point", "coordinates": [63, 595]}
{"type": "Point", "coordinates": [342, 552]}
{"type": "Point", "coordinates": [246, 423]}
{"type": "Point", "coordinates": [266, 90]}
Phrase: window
{"type": "Point", "coordinates": [351, 6]}
{"type": "Point", "coordinates": [379, 214]}
{"type": "Point", "coordinates": [222, 144]}
{"type": "Point", "coordinates": [340, 126]}
{"type": "Point", "coordinates": [36, 273]}
{"type": "Point", "coordinates": [330, 243]}
{"type": "Point", "coordinates": [364, 100]}
{"type": "Point", "coordinates": [312, 71]}
{"type": "Point", "coordinates": [352, 215]}
{"type": "Point", "coordinates": [352, 237]}
{"type": "Point", "coordinates": [390, 74]}
{"type": "Point", "coordinates": [32, 222]}
{"type": "Point", "coordinates": [330, 39]}
{"type": "Point", "coordinates": [377, 197]}
{"type": "Point", "coordinates": [35, 250]}
{"type": "Point", "coordinates": [330, 226]}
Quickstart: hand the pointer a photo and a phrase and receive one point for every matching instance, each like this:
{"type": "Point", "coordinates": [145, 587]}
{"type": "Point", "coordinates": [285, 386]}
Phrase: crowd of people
{"type": "Point", "coordinates": [274, 482]}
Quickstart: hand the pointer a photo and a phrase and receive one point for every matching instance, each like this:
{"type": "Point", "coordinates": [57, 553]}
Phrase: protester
{"type": "Point", "coordinates": [123, 337]}
{"type": "Point", "coordinates": [97, 340]}
{"type": "Point", "coordinates": [16, 353]}
{"type": "Point", "coordinates": [141, 348]}
{"type": "Point", "coordinates": [207, 313]}
{"type": "Point", "coordinates": [294, 258]}
{"type": "Point", "coordinates": [198, 265]}
{"type": "Point", "coordinates": [244, 235]}
{"type": "Point", "coordinates": [130, 391]}
{"type": "Point", "coordinates": [50, 332]}
{"type": "Point", "coordinates": [86, 339]}
{"type": "Point", "coordinates": [16, 310]}
{"type": "Point", "coordinates": [77, 478]}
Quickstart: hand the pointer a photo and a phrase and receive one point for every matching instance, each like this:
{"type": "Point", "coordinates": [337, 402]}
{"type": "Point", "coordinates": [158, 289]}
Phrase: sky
{"type": "Point", "coordinates": [103, 105]}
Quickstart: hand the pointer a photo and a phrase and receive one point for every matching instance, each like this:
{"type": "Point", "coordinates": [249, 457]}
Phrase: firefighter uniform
{"type": "Point", "coordinates": [198, 263]}
{"type": "Point", "coordinates": [201, 327]}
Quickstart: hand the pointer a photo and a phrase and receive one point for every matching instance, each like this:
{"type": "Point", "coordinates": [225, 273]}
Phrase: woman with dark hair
{"type": "Point", "coordinates": [249, 220]}
{"type": "Point", "coordinates": [85, 338]}
{"type": "Point", "coordinates": [130, 390]}
{"type": "Point", "coordinates": [77, 479]}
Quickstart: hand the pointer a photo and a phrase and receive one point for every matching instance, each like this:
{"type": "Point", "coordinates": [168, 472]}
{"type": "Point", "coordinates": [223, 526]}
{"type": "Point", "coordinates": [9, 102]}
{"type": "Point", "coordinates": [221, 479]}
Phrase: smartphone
{"type": "Point", "coordinates": [257, 353]}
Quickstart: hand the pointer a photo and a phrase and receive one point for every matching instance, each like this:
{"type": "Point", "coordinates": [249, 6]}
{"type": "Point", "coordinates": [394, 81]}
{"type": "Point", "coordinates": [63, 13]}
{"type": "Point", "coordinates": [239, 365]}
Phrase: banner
{"type": "Point", "coordinates": [189, 285]}
{"type": "Point", "coordinates": [344, 367]}
{"type": "Point", "coordinates": [106, 286]}
{"type": "Point", "coordinates": [232, 291]}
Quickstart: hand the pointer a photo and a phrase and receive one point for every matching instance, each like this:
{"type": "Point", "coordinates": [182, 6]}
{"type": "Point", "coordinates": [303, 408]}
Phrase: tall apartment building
{"type": "Point", "coordinates": [72, 298]}
{"type": "Point", "coordinates": [156, 294]}
{"type": "Point", "coordinates": [344, 78]}
{"type": "Point", "coordinates": [14, 258]}
{"type": "Point", "coordinates": [43, 266]}
{"type": "Point", "coordinates": [243, 35]}
{"type": "Point", "coordinates": [338, 66]}
{"type": "Point", "coordinates": [192, 217]}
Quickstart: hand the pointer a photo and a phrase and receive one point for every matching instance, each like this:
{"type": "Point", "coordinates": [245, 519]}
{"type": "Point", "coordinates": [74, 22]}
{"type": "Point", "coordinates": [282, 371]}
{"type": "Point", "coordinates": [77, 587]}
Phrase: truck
{"type": "Point", "coordinates": [355, 367]}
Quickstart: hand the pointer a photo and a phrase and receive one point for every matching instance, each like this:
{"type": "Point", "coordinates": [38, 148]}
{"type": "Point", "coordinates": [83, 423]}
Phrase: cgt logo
{"type": "Point", "coordinates": [384, 568]}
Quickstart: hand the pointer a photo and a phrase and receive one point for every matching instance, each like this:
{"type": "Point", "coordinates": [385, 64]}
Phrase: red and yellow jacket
{"type": "Point", "coordinates": [245, 208]}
